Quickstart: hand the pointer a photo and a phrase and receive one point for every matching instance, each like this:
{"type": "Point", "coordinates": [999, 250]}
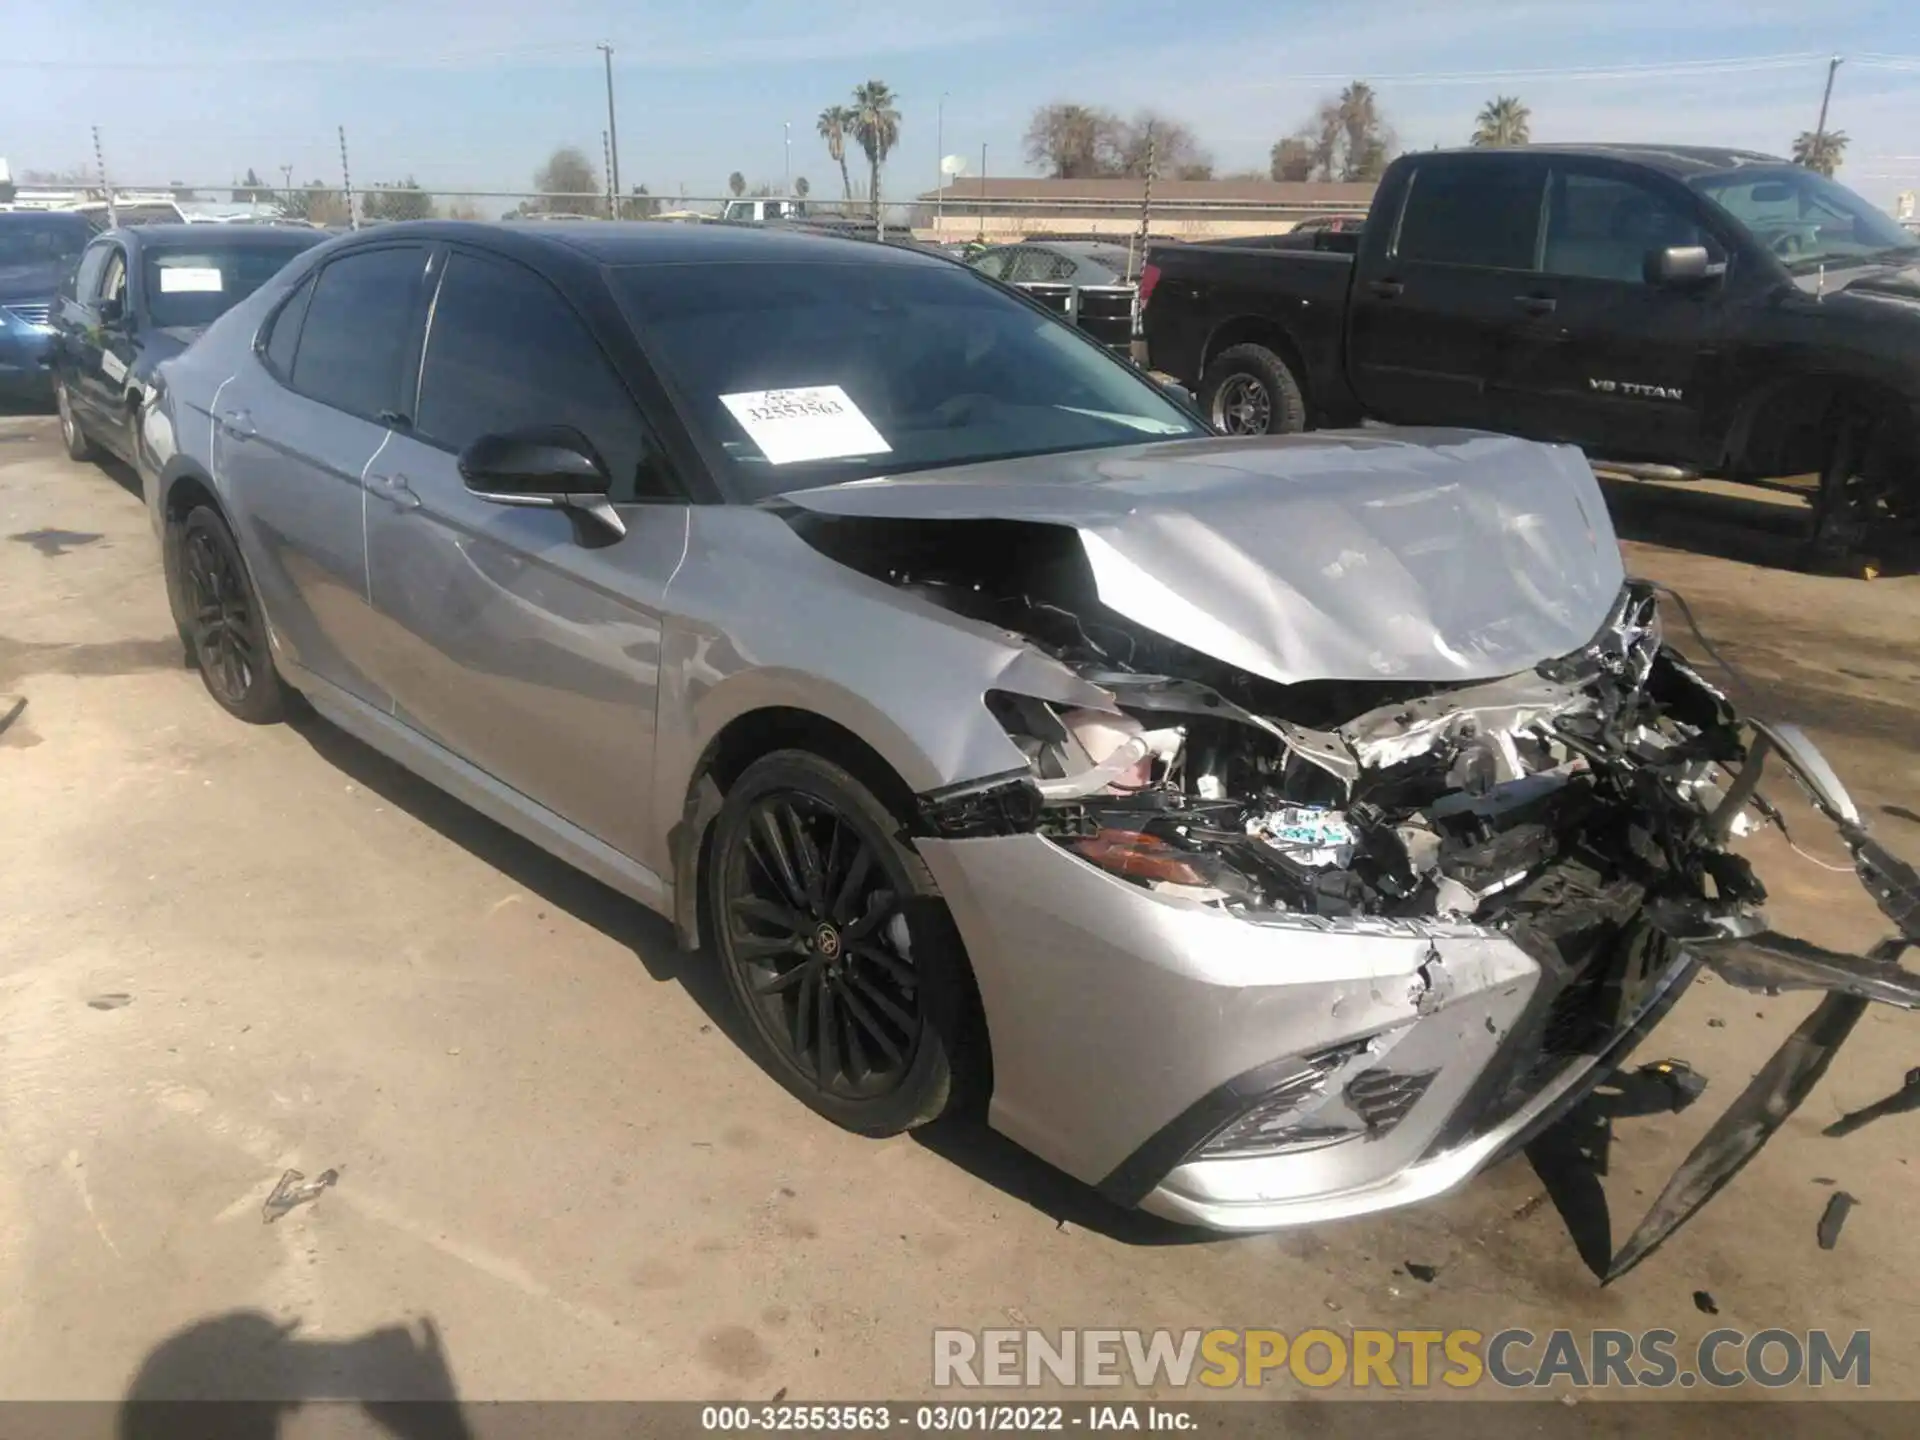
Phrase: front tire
{"type": "Point", "coordinates": [225, 631]}
{"type": "Point", "coordinates": [78, 446]}
{"type": "Point", "coordinates": [838, 950]}
{"type": "Point", "coordinates": [1248, 390]}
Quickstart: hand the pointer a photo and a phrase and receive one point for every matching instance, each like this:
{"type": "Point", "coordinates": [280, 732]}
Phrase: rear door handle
{"type": "Point", "coordinates": [238, 424]}
{"type": "Point", "coordinates": [1386, 289]}
{"type": "Point", "coordinates": [395, 490]}
{"type": "Point", "coordinates": [1536, 304]}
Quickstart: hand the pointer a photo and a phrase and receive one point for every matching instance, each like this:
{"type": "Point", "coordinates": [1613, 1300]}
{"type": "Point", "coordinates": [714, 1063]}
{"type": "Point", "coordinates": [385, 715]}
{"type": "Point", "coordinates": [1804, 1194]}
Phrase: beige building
{"type": "Point", "coordinates": [1008, 209]}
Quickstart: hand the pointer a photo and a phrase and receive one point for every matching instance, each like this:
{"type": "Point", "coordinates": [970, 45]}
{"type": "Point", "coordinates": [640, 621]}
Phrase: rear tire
{"type": "Point", "coordinates": [225, 631]}
{"type": "Point", "coordinates": [835, 945]}
{"type": "Point", "coordinates": [1867, 510]}
{"type": "Point", "coordinates": [1248, 390]}
{"type": "Point", "coordinates": [78, 446]}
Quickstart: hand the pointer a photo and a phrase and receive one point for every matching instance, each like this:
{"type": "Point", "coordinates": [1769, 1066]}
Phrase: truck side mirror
{"type": "Point", "coordinates": [1682, 265]}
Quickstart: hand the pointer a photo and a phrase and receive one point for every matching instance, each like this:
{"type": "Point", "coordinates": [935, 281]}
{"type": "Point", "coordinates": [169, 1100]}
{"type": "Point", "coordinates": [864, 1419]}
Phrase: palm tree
{"type": "Point", "coordinates": [1820, 150]}
{"type": "Point", "coordinates": [876, 125]}
{"type": "Point", "coordinates": [836, 123]}
{"type": "Point", "coordinates": [1502, 121]}
{"type": "Point", "coordinates": [1360, 117]}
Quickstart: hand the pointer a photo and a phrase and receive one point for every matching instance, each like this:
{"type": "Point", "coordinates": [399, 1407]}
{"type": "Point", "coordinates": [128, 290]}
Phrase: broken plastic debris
{"type": "Point", "coordinates": [294, 1190]}
{"type": "Point", "coordinates": [1833, 1217]}
{"type": "Point", "coordinates": [10, 708]}
{"type": "Point", "coordinates": [1703, 1302]}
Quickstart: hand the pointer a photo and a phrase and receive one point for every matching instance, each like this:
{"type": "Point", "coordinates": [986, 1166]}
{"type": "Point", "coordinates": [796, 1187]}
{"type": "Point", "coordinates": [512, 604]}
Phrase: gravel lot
{"type": "Point", "coordinates": [233, 951]}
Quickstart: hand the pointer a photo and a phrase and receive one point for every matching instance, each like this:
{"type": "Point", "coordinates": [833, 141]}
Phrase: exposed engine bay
{"type": "Point", "coordinates": [1470, 804]}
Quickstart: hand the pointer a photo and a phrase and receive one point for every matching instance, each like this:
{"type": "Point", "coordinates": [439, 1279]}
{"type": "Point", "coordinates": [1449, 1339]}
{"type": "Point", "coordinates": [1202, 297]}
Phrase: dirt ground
{"type": "Point", "coordinates": [231, 951]}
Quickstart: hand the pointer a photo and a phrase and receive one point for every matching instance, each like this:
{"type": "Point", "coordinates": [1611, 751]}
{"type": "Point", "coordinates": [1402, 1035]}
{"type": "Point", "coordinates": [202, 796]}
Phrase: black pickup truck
{"type": "Point", "coordinates": [1673, 311]}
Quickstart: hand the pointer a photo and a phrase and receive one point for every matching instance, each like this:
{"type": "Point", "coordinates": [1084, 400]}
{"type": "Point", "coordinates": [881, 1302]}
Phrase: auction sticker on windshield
{"type": "Point", "coordinates": [202, 278]}
{"type": "Point", "coordinates": [817, 422]}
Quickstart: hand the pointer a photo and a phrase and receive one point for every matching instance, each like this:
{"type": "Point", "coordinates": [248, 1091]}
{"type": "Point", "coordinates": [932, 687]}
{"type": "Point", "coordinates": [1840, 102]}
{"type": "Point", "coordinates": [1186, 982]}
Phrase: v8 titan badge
{"type": "Point", "coordinates": [818, 422]}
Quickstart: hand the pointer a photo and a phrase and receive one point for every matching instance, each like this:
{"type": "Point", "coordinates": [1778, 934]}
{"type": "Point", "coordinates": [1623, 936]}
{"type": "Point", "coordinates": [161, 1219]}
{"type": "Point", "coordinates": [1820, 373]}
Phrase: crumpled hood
{"type": "Point", "coordinates": [1434, 555]}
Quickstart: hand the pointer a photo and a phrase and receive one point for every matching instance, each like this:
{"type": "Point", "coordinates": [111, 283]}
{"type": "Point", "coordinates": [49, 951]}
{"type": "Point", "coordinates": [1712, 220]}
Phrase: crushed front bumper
{"type": "Point", "coordinates": [1131, 1029]}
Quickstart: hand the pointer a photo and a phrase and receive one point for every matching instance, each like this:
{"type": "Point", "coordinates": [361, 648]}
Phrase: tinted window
{"type": "Point", "coordinates": [86, 285]}
{"type": "Point", "coordinates": [27, 239]}
{"type": "Point", "coordinates": [945, 367]}
{"type": "Point", "coordinates": [357, 331]}
{"type": "Point", "coordinates": [197, 285]}
{"type": "Point", "coordinates": [1036, 265]}
{"type": "Point", "coordinates": [1472, 214]}
{"type": "Point", "coordinates": [994, 262]}
{"type": "Point", "coordinates": [1604, 228]}
{"type": "Point", "coordinates": [506, 352]}
{"type": "Point", "coordinates": [286, 331]}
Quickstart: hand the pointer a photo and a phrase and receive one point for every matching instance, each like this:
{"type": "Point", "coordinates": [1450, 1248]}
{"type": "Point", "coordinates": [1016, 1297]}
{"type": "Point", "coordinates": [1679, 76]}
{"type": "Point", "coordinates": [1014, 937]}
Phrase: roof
{"type": "Point", "coordinates": [1680, 161]}
{"type": "Point", "coordinates": [225, 237]}
{"type": "Point", "coordinates": [1261, 192]}
{"type": "Point", "coordinates": [646, 242]}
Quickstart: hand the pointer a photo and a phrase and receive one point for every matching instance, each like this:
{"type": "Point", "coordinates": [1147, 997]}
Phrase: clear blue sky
{"type": "Point", "coordinates": [477, 93]}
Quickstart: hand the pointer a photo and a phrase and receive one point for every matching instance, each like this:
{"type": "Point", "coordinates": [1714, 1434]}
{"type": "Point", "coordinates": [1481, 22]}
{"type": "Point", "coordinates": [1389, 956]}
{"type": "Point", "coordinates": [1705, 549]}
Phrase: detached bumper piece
{"type": "Point", "coordinates": [1766, 961]}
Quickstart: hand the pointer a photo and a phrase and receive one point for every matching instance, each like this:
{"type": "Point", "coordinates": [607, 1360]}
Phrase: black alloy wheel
{"type": "Point", "coordinates": [835, 945]}
{"type": "Point", "coordinates": [225, 632]}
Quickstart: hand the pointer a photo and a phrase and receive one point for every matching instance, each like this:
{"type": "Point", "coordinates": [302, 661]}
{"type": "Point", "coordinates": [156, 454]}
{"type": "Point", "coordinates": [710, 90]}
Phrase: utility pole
{"type": "Point", "coordinates": [1820, 130]}
{"type": "Point", "coordinates": [940, 178]}
{"type": "Point", "coordinates": [613, 130]}
{"type": "Point", "coordinates": [786, 187]}
{"type": "Point", "coordinates": [983, 190]}
{"type": "Point", "coordinates": [346, 183]}
{"type": "Point", "coordinates": [100, 159]}
{"type": "Point", "coordinates": [1146, 197]}
{"type": "Point", "coordinates": [286, 173]}
{"type": "Point", "coordinates": [606, 155]}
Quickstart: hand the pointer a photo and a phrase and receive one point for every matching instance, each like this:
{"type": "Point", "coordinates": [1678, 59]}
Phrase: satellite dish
{"type": "Point", "coordinates": [953, 165]}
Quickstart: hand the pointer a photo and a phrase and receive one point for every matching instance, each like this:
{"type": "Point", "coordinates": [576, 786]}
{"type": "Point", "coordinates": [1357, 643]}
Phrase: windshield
{"type": "Point", "coordinates": [42, 239]}
{"type": "Point", "coordinates": [197, 286]}
{"type": "Point", "coordinates": [1807, 219]}
{"type": "Point", "coordinates": [811, 374]}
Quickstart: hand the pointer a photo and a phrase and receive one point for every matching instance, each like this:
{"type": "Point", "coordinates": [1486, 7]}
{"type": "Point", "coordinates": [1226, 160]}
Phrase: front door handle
{"type": "Point", "coordinates": [238, 424]}
{"type": "Point", "coordinates": [1536, 304]}
{"type": "Point", "coordinates": [1386, 289]}
{"type": "Point", "coordinates": [395, 490]}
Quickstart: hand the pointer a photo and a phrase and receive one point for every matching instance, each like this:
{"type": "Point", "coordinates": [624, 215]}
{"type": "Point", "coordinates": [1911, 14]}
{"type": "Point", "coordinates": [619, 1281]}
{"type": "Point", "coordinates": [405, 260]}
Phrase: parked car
{"type": "Point", "coordinates": [1058, 262]}
{"type": "Point", "coordinates": [1266, 830]}
{"type": "Point", "coordinates": [1085, 281]}
{"type": "Point", "coordinates": [1700, 311]}
{"type": "Point", "coordinates": [138, 297]}
{"type": "Point", "coordinates": [1336, 224]}
{"type": "Point", "coordinates": [37, 249]}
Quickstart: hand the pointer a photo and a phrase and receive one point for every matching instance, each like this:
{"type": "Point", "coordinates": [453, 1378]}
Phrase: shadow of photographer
{"type": "Point", "coordinates": [239, 1376]}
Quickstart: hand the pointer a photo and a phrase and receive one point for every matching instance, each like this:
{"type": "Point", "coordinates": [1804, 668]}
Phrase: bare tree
{"type": "Point", "coordinates": [1075, 142]}
{"type": "Point", "coordinates": [70, 175]}
{"type": "Point", "coordinates": [1347, 139]}
{"type": "Point", "coordinates": [1292, 159]}
{"type": "Point", "coordinates": [1178, 153]}
{"type": "Point", "coordinates": [566, 182]}
{"type": "Point", "coordinates": [404, 201]}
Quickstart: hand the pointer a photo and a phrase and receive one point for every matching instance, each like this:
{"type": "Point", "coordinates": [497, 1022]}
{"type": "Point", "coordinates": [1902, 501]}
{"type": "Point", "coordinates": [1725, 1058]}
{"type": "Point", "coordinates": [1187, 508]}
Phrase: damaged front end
{"type": "Point", "coordinates": [1551, 847]}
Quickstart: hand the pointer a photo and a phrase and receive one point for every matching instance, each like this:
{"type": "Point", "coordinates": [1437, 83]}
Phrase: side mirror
{"type": "Point", "coordinates": [547, 468]}
{"type": "Point", "coordinates": [112, 310]}
{"type": "Point", "coordinates": [1682, 265]}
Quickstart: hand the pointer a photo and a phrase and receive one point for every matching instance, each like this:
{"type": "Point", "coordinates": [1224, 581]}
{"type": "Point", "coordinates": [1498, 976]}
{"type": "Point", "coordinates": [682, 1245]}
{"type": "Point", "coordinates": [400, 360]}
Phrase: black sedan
{"type": "Point", "coordinates": [140, 296]}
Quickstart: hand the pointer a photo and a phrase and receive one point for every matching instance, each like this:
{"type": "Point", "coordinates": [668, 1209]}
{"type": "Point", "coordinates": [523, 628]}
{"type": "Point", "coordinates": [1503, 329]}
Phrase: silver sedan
{"type": "Point", "coordinates": [1260, 830]}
